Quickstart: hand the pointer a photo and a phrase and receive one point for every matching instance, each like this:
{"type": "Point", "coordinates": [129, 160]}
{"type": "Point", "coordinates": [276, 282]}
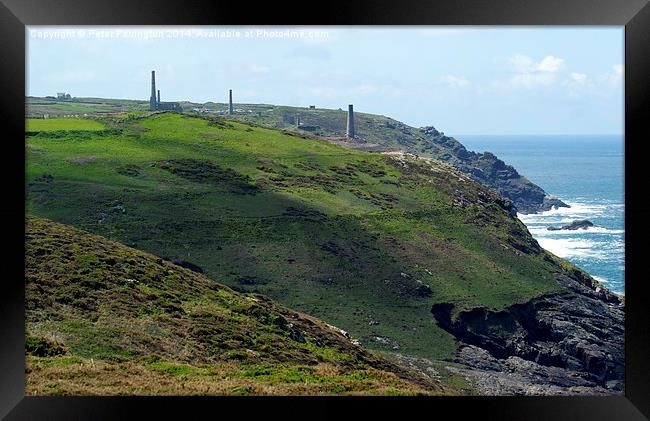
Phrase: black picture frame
{"type": "Point", "coordinates": [16, 14]}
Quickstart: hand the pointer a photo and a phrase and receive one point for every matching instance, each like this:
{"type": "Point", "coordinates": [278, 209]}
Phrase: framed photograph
{"type": "Point", "coordinates": [359, 206]}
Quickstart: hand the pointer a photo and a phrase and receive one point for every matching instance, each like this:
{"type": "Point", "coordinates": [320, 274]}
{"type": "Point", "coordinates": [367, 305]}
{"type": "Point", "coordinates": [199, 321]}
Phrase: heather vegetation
{"type": "Point", "coordinates": [103, 318]}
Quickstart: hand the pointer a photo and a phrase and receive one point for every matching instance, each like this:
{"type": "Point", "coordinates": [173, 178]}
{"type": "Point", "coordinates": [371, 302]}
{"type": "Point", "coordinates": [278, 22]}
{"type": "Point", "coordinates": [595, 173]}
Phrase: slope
{"type": "Point", "coordinates": [380, 133]}
{"type": "Point", "coordinates": [106, 319]}
{"type": "Point", "coordinates": [367, 242]}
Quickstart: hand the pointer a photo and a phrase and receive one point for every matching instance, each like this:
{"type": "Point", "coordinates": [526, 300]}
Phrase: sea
{"type": "Point", "coordinates": [587, 173]}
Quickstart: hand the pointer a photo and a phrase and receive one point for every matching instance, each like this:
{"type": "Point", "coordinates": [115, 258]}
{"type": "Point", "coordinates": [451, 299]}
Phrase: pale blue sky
{"type": "Point", "coordinates": [463, 80]}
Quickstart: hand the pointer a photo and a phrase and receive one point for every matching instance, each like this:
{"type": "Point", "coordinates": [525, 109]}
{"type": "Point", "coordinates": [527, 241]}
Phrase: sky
{"type": "Point", "coordinates": [462, 80]}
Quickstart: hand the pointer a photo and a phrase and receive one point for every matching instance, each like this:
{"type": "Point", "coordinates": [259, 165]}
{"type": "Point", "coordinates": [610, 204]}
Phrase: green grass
{"type": "Point", "coordinates": [62, 124]}
{"type": "Point", "coordinates": [344, 235]}
{"type": "Point", "coordinates": [96, 306]}
{"type": "Point", "coordinates": [172, 368]}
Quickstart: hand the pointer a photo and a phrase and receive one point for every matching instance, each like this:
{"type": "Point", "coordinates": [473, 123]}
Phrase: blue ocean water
{"type": "Point", "coordinates": [586, 172]}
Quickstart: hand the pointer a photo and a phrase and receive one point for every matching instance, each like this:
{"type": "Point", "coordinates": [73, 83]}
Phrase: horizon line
{"type": "Point", "coordinates": [538, 134]}
{"type": "Point", "coordinates": [336, 109]}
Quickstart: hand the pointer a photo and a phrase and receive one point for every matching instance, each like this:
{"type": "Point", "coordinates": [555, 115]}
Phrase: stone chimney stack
{"type": "Point", "coordinates": [158, 96]}
{"type": "Point", "coordinates": [230, 103]}
{"type": "Point", "coordinates": [153, 104]}
{"type": "Point", "coordinates": [349, 133]}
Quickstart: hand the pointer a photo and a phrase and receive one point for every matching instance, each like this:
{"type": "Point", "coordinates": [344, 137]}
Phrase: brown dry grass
{"type": "Point", "coordinates": [49, 376]}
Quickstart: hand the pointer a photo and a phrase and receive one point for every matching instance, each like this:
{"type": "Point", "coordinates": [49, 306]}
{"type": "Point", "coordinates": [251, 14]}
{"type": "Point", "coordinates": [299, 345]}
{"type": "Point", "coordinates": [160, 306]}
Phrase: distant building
{"type": "Point", "coordinates": [154, 99]}
{"type": "Point", "coordinates": [312, 107]}
{"type": "Point", "coordinates": [205, 110]}
{"type": "Point", "coordinates": [62, 95]}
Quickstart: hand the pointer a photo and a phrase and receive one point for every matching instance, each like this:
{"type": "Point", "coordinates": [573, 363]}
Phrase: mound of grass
{"type": "Point", "coordinates": [127, 318]}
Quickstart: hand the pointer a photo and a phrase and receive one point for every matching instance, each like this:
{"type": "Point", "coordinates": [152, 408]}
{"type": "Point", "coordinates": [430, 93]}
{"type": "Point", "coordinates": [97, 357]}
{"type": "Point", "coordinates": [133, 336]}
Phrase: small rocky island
{"type": "Point", "coordinates": [573, 226]}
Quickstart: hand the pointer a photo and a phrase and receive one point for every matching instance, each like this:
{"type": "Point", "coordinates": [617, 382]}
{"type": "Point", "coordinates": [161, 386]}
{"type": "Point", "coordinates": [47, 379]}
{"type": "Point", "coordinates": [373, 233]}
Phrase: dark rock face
{"type": "Point", "coordinates": [517, 376]}
{"type": "Point", "coordinates": [574, 338]}
{"type": "Point", "coordinates": [489, 170]}
{"type": "Point", "coordinates": [575, 225]}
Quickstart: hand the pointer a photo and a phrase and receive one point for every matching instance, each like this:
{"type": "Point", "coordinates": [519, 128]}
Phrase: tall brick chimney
{"type": "Point", "coordinates": [349, 133]}
{"type": "Point", "coordinates": [153, 104]}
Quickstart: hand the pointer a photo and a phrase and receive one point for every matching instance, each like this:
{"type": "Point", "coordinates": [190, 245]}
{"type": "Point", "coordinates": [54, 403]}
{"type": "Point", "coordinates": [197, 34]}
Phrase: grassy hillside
{"type": "Point", "coordinates": [372, 129]}
{"type": "Point", "coordinates": [61, 124]}
{"type": "Point", "coordinates": [381, 133]}
{"type": "Point", "coordinates": [367, 242]}
{"type": "Point", "coordinates": [374, 133]}
{"type": "Point", "coordinates": [106, 319]}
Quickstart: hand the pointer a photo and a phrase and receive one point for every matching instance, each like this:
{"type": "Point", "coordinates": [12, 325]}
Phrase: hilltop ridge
{"type": "Point", "coordinates": [374, 133]}
{"type": "Point", "coordinates": [380, 133]}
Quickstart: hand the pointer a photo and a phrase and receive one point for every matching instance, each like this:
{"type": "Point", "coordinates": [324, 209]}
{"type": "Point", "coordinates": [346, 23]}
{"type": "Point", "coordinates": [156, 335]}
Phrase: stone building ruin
{"type": "Point", "coordinates": [154, 100]}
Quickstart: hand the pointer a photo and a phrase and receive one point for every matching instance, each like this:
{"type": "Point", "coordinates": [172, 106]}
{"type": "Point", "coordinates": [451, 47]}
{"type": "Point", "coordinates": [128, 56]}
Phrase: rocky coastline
{"type": "Point", "coordinates": [566, 343]}
{"type": "Point", "coordinates": [490, 171]}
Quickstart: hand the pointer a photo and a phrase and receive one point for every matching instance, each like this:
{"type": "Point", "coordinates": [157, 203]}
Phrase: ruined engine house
{"type": "Point", "coordinates": [154, 100]}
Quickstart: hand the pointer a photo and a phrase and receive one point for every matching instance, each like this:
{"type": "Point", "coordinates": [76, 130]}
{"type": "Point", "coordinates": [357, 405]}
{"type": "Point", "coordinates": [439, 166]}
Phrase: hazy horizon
{"type": "Point", "coordinates": [469, 80]}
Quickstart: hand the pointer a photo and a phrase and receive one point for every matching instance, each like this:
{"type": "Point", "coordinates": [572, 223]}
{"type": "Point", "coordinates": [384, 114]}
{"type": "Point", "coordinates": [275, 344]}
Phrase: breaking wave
{"type": "Point", "coordinates": [599, 249]}
{"type": "Point", "coordinates": [590, 230]}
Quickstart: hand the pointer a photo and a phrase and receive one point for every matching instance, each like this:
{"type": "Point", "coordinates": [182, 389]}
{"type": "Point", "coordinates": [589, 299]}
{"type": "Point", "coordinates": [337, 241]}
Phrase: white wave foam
{"type": "Point", "coordinates": [575, 211]}
{"type": "Point", "coordinates": [594, 244]}
{"type": "Point", "coordinates": [543, 231]}
{"type": "Point", "coordinates": [572, 247]}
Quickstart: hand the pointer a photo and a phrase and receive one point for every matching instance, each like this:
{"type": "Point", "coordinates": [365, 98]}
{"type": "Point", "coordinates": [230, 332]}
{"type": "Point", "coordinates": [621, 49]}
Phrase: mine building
{"type": "Point", "coordinates": [154, 100]}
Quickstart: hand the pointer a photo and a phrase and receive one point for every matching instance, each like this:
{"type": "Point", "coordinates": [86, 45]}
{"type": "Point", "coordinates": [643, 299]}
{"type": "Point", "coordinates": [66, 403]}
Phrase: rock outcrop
{"type": "Point", "coordinates": [489, 170]}
{"type": "Point", "coordinates": [517, 376]}
{"type": "Point", "coordinates": [575, 225]}
{"type": "Point", "coordinates": [566, 342]}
